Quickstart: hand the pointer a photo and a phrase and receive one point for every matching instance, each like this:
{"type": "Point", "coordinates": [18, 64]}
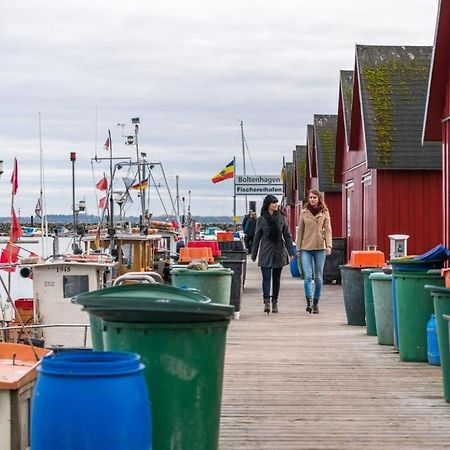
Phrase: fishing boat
{"type": "Point", "coordinates": [110, 252]}
{"type": "Point", "coordinates": [31, 232]}
{"type": "Point", "coordinates": [17, 377]}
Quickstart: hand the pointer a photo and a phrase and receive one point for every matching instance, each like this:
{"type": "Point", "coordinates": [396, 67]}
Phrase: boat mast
{"type": "Point", "coordinates": [73, 158]}
{"type": "Point", "coordinates": [44, 224]}
{"type": "Point", "coordinates": [243, 160]}
{"type": "Point", "coordinates": [111, 200]}
{"type": "Point", "coordinates": [135, 121]}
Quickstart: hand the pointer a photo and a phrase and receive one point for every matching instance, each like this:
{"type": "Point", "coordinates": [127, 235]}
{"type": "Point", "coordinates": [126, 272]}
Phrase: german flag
{"type": "Point", "coordinates": [224, 174]}
{"type": "Point", "coordinates": [142, 185]}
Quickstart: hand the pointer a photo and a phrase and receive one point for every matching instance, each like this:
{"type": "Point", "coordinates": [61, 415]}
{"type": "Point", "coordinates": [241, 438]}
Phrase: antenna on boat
{"type": "Point", "coordinates": [111, 199]}
{"type": "Point", "coordinates": [243, 159]}
{"type": "Point", "coordinates": [41, 201]}
{"type": "Point", "coordinates": [73, 158]}
{"type": "Point", "coordinates": [136, 122]}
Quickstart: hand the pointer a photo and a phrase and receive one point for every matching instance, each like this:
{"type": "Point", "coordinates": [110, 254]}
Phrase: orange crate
{"type": "Point", "coordinates": [187, 254]}
{"type": "Point", "coordinates": [225, 236]}
{"type": "Point", "coordinates": [367, 258]}
{"type": "Point", "coordinates": [25, 314]}
{"type": "Point", "coordinates": [446, 274]}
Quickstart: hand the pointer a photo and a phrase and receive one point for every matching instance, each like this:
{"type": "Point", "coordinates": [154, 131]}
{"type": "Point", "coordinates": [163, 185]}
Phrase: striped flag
{"type": "Point", "coordinates": [224, 174]}
{"type": "Point", "coordinates": [142, 185]}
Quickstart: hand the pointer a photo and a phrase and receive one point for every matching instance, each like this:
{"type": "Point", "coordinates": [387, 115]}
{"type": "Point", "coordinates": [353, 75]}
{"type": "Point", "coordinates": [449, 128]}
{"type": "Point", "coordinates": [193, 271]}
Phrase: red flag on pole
{"type": "Point", "coordinates": [102, 203]}
{"type": "Point", "coordinates": [15, 178]}
{"type": "Point", "coordinates": [102, 185]}
{"type": "Point", "coordinates": [16, 230]}
{"type": "Point", "coordinates": [107, 143]}
{"type": "Point", "coordinates": [10, 254]}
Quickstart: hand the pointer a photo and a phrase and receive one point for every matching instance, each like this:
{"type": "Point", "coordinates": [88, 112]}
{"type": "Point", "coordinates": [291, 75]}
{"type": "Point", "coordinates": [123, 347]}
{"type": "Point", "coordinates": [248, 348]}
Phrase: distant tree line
{"type": "Point", "coordinates": [63, 220]}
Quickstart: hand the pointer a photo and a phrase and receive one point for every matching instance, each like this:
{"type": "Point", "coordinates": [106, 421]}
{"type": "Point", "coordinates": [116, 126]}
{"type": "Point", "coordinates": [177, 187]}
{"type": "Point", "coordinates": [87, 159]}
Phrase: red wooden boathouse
{"type": "Point", "coordinates": [437, 113]}
{"type": "Point", "coordinates": [387, 175]}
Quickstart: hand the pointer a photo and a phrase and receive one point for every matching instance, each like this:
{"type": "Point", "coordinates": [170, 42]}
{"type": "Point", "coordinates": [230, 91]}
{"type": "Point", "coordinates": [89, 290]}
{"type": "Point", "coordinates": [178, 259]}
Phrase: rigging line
{"type": "Point", "coordinates": [159, 195]}
{"type": "Point", "coordinates": [95, 140]}
{"type": "Point", "coordinates": [249, 156]}
{"type": "Point", "coordinates": [95, 190]}
{"type": "Point", "coordinates": [170, 193]}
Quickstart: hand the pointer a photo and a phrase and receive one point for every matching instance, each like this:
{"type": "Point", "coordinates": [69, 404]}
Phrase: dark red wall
{"type": "Point", "coordinates": [446, 167]}
{"type": "Point", "coordinates": [409, 203]}
{"type": "Point", "coordinates": [334, 203]}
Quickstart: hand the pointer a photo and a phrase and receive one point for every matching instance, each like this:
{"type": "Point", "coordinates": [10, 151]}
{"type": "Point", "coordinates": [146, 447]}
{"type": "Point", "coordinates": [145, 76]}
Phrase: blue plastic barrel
{"type": "Point", "coordinates": [434, 357]}
{"type": "Point", "coordinates": [295, 271]}
{"type": "Point", "coordinates": [91, 400]}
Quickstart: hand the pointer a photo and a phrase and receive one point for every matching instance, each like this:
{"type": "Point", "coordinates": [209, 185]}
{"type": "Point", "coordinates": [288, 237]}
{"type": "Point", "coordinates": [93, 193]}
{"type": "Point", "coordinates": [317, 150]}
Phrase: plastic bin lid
{"type": "Point", "coordinates": [438, 289]}
{"type": "Point", "coordinates": [184, 266]}
{"type": "Point", "coordinates": [157, 303]}
{"type": "Point", "coordinates": [413, 264]}
{"type": "Point", "coordinates": [371, 270]}
{"type": "Point", "coordinates": [221, 271]}
{"type": "Point", "coordinates": [380, 276]}
{"type": "Point", "coordinates": [432, 273]}
{"type": "Point", "coordinates": [141, 291]}
{"type": "Point", "coordinates": [161, 311]}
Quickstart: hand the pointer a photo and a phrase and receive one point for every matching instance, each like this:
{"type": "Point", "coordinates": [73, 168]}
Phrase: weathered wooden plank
{"type": "Point", "coordinates": [301, 381]}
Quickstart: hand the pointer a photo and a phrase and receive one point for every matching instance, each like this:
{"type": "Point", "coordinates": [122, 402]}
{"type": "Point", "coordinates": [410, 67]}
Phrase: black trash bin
{"type": "Point", "coordinates": [331, 271]}
{"type": "Point", "coordinates": [234, 251]}
{"type": "Point", "coordinates": [237, 282]}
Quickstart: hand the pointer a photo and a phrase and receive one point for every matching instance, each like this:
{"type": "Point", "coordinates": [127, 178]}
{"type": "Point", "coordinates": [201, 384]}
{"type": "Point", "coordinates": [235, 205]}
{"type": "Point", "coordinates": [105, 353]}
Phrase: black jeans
{"type": "Point", "coordinates": [269, 273]}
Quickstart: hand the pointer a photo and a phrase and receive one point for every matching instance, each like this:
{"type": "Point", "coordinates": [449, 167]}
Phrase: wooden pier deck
{"type": "Point", "coordinates": [299, 381]}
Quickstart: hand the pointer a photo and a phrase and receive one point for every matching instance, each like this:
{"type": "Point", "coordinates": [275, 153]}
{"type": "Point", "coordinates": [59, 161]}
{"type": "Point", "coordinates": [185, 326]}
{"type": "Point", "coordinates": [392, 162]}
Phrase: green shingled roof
{"type": "Point", "coordinates": [393, 84]}
{"type": "Point", "coordinates": [325, 126]}
{"type": "Point", "coordinates": [300, 161]}
{"type": "Point", "coordinates": [347, 98]}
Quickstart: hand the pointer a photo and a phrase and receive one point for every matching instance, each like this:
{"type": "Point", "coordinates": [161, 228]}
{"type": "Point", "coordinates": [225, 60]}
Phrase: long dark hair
{"type": "Point", "coordinates": [267, 201]}
{"type": "Point", "coordinates": [274, 232]}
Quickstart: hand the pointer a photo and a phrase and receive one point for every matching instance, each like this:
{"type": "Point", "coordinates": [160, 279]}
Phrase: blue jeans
{"type": "Point", "coordinates": [313, 260]}
{"type": "Point", "coordinates": [269, 273]}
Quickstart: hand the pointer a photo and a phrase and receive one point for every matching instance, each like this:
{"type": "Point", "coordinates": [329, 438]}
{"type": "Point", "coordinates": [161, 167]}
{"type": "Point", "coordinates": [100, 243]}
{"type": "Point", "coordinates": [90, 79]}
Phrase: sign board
{"type": "Point", "coordinates": [258, 185]}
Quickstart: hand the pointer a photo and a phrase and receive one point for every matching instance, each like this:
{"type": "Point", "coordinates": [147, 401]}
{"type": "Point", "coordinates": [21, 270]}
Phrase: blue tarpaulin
{"type": "Point", "coordinates": [438, 253]}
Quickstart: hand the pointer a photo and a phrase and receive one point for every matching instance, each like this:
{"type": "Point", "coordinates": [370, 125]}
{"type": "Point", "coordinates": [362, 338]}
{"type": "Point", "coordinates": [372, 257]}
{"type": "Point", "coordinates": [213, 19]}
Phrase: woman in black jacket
{"type": "Point", "coordinates": [274, 244]}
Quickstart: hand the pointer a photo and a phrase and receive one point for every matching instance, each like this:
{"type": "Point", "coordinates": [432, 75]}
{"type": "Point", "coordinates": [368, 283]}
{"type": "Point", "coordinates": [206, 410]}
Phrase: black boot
{"type": "Point", "coordinates": [315, 306]}
{"type": "Point", "coordinates": [274, 304]}
{"type": "Point", "coordinates": [308, 305]}
{"type": "Point", "coordinates": [267, 305]}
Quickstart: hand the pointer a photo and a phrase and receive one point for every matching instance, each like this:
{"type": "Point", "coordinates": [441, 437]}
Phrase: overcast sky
{"type": "Point", "coordinates": [191, 71]}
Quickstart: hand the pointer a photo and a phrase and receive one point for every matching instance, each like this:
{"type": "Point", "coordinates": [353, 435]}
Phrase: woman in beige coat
{"type": "Point", "coordinates": [314, 243]}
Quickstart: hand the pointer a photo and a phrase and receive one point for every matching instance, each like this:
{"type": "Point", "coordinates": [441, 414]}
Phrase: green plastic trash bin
{"type": "Point", "coordinates": [371, 327]}
{"type": "Point", "coordinates": [353, 292]}
{"type": "Point", "coordinates": [214, 283]}
{"type": "Point", "coordinates": [414, 308]}
{"type": "Point", "coordinates": [182, 345]}
{"type": "Point", "coordinates": [136, 291]}
{"type": "Point", "coordinates": [382, 302]}
{"type": "Point", "coordinates": [441, 300]}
